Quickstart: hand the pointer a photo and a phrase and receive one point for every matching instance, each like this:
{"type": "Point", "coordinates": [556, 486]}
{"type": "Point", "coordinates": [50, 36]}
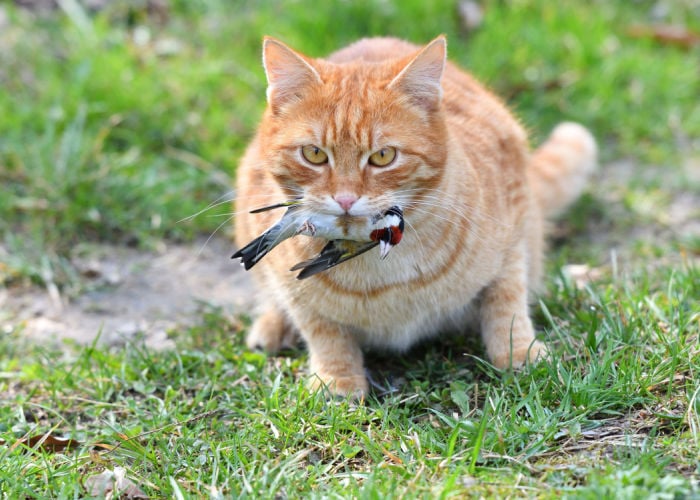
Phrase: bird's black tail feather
{"type": "Point", "coordinates": [253, 251]}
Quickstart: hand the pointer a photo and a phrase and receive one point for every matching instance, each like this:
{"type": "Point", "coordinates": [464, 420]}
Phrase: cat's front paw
{"type": "Point", "coordinates": [353, 386]}
{"type": "Point", "coordinates": [272, 332]}
{"type": "Point", "coordinates": [532, 353]}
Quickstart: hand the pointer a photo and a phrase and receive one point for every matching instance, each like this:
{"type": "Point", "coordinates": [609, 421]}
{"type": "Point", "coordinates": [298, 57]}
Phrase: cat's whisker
{"type": "Point", "coordinates": [432, 206]}
{"type": "Point", "coordinates": [224, 199]}
{"type": "Point", "coordinates": [410, 203]}
{"type": "Point", "coordinates": [219, 201]}
{"type": "Point", "coordinates": [453, 200]}
{"type": "Point", "coordinates": [225, 214]}
{"type": "Point", "coordinates": [441, 206]}
{"type": "Point", "coordinates": [231, 215]}
{"type": "Point", "coordinates": [418, 239]}
{"type": "Point", "coordinates": [438, 209]}
{"type": "Point", "coordinates": [206, 242]}
{"type": "Point", "coordinates": [470, 227]}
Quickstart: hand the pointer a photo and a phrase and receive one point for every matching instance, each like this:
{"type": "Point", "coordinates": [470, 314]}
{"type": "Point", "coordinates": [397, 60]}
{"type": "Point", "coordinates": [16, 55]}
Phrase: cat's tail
{"type": "Point", "coordinates": [561, 166]}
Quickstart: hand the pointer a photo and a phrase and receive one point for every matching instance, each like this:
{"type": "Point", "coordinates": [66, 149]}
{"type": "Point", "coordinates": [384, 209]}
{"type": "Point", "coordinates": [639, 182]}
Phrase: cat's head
{"type": "Point", "coordinates": [358, 137]}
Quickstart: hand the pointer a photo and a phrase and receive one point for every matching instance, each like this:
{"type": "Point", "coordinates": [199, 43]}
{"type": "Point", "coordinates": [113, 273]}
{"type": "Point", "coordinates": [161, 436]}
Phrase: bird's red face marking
{"type": "Point", "coordinates": [391, 235]}
{"type": "Point", "coordinates": [377, 234]}
{"type": "Point", "coordinates": [396, 234]}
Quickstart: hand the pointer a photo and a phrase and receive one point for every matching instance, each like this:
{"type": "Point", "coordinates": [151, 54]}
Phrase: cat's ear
{"type": "Point", "coordinates": [420, 78]}
{"type": "Point", "coordinates": [289, 74]}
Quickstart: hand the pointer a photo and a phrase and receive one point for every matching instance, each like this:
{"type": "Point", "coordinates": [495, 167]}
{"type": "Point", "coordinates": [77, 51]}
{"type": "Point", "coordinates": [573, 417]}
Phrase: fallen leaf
{"type": "Point", "coordinates": [113, 484]}
{"type": "Point", "coordinates": [46, 442]}
{"type": "Point", "coordinates": [667, 34]}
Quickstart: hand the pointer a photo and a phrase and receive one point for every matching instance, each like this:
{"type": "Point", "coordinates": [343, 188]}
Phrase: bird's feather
{"type": "Point", "coordinates": [334, 253]}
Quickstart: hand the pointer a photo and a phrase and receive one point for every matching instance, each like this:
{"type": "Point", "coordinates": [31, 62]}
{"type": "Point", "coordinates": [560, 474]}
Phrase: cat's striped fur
{"type": "Point", "coordinates": [474, 198]}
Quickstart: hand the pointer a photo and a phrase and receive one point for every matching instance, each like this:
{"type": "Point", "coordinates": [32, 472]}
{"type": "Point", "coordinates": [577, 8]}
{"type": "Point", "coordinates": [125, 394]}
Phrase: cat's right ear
{"type": "Point", "coordinates": [421, 78]}
{"type": "Point", "coordinates": [288, 73]}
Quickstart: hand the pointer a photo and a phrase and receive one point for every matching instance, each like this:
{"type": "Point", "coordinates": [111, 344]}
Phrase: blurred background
{"type": "Point", "coordinates": [120, 119]}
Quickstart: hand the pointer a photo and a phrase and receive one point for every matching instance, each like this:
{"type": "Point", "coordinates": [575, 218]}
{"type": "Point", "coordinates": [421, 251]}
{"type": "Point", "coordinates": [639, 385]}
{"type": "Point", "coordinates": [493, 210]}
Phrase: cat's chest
{"type": "Point", "coordinates": [415, 286]}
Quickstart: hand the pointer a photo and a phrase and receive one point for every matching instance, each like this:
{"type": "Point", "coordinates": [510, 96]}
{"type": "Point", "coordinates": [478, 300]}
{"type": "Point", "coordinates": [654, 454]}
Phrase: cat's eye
{"type": "Point", "coordinates": [383, 158]}
{"type": "Point", "coordinates": [314, 154]}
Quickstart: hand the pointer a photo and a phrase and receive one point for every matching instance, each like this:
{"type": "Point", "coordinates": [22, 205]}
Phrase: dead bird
{"type": "Point", "coordinates": [346, 241]}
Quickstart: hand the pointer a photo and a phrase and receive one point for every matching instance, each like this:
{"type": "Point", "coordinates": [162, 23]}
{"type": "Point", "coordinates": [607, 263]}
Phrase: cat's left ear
{"type": "Point", "coordinates": [420, 78]}
{"type": "Point", "coordinates": [289, 74]}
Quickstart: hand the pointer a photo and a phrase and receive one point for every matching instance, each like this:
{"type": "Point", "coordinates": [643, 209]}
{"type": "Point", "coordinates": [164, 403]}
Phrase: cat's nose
{"type": "Point", "coordinates": [345, 200]}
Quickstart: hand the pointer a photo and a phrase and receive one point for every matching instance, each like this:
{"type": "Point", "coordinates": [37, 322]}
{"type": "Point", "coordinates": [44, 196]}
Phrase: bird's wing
{"type": "Point", "coordinates": [334, 253]}
{"type": "Point", "coordinates": [260, 246]}
{"type": "Point", "coordinates": [255, 250]}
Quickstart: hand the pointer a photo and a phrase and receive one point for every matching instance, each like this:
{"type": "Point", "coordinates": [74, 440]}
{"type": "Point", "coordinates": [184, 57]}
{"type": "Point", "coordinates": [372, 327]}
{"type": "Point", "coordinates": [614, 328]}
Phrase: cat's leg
{"type": "Point", "coordinates": [506, 327]}
{"type": "Point", "coordinates": [335, 359]}
{"type": "Point", "coordinates": [272, 331]}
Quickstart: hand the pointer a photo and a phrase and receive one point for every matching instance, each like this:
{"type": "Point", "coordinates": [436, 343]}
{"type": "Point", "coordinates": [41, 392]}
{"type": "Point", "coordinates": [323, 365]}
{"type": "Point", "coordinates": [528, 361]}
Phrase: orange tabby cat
{"type": "Point", "coordinates": [384, 123]}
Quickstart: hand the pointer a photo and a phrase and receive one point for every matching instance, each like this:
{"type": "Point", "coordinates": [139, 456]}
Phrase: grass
{"type": "Point", "coordinates": [615, 413]}
{"type": "Point", "coordinates": [117, 124]}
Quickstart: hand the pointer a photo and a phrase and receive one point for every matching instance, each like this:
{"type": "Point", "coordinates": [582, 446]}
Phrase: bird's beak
{"type": "Point", "coordinates": [384, 248]}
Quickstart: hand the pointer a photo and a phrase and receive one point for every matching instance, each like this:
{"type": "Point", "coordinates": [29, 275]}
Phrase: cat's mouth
{"type": "Point", "coordinates": [359, 227]}
{"type": "Point", "coordinates": [346, 223]}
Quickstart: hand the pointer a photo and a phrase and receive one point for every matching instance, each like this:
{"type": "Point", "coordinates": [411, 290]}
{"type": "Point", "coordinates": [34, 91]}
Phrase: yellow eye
{"type": "Point", "coordinates": [383, 157]}
{"type": "Point", "coordinates": [314, 154]}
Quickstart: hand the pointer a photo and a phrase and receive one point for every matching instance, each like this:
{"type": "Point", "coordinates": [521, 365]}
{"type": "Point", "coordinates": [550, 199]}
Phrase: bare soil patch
{"type": "Point", "coordinates": [132, 292]}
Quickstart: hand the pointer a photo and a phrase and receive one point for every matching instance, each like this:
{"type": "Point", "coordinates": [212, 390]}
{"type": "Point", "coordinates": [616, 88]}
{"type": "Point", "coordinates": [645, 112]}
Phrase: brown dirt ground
{"type": "Point", "coordinates": [131, 292]}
